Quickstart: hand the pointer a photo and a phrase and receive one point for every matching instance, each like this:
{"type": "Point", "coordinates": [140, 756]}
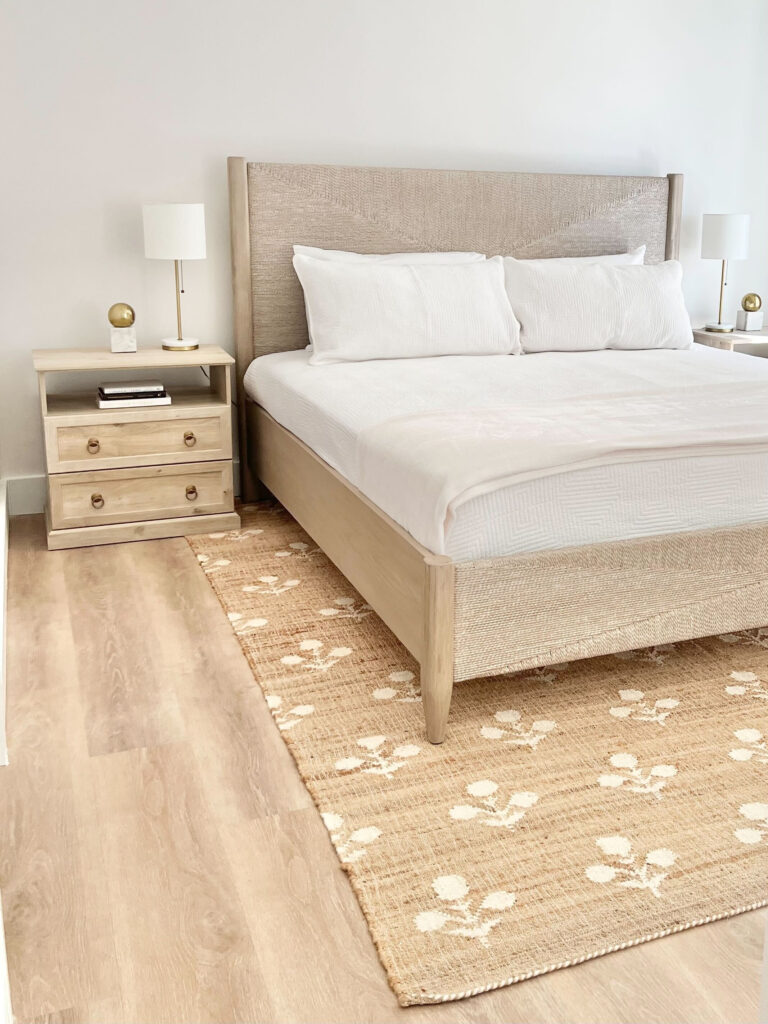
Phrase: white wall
{"type": "Point", "coordinates": [107, 105]}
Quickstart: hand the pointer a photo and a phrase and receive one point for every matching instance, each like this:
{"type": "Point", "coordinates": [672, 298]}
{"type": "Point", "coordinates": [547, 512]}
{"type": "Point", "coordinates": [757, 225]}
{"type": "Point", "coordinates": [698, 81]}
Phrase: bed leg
{"type": "Point", "coordinates": [437, 664]}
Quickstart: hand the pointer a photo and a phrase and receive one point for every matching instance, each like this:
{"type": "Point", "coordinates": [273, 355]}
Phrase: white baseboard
{"type": "Point", "coordinates": [26, 494]}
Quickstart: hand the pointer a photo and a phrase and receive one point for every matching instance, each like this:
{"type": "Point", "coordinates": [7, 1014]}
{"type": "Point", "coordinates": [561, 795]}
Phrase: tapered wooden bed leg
{"type": "Point", "coordinates": [437, 663]}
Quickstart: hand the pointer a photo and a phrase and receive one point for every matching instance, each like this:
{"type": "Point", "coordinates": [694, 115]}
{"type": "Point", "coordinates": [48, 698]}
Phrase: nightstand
{"type": "Point", "coordinates": [137, 474]}
{"type": "Point", "coordinates": [754, 343]}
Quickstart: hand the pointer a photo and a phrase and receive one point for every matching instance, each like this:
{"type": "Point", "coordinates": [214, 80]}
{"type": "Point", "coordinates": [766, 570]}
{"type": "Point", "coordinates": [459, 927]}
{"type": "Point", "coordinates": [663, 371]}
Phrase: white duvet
{"type": "Point", "coordinates": [425, 438]}
{"type": "Point", "coordinates": [420, 468]}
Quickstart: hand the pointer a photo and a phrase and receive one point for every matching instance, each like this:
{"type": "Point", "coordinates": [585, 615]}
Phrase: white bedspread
{"type": "Point", "coordinates": [419, 469]}
{"type": "Point", "coordinates": [615, 454]}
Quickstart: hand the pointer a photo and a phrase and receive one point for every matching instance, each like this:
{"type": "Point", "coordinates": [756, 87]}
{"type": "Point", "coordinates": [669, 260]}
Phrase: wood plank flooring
{"type": "Point", "coordinates": [161, 861]}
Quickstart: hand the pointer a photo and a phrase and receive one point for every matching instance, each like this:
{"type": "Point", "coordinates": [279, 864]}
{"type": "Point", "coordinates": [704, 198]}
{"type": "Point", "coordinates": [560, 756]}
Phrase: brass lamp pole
{"type": "Point", "coordinates": [720, 325]}
{"type": "Point", "coordinates": [180, 336]}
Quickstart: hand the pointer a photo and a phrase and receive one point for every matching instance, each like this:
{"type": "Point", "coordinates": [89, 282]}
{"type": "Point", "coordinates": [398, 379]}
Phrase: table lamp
{"type": "Point", "coordinates": [724, 236]}
{"type": "Point", "coordinates": [175, 231]}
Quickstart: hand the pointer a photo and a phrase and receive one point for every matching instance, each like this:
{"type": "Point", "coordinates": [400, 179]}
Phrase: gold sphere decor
{"type": "Point", "coordinates": [121, 315]}
{"type": "Point", "coordinates": [751, 302]}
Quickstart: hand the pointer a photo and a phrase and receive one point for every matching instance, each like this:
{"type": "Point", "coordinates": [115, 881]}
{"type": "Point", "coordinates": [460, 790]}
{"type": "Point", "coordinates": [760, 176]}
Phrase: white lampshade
{"type": "Point", "coordinates": [174, 231]}
{"type": "Point", "coordinates": [725, 236]}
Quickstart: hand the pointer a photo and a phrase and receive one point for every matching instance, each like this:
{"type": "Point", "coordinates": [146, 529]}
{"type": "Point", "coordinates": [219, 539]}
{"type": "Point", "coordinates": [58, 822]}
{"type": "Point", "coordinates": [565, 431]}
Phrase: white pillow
{"type": "Point", "coordinates": [632, 258]}
{"type": "Point", "coordinates": [575, 307]}
{"type": "Point", "coordinates": [397, 258]}
{"type": "Point", "coordinates": [358, 311]}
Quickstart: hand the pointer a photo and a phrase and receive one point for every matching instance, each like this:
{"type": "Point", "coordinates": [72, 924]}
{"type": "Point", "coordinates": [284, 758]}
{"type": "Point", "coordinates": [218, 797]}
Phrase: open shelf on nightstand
{"type": "Point", "coordinates": [77, 403]}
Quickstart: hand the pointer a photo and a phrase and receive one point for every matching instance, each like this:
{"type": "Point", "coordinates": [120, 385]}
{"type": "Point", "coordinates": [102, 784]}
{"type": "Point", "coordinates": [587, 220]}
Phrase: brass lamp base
{"type": "Point", "coordinates": [180, 344]}
{"type": "Point", "coordinates": [719, 328]}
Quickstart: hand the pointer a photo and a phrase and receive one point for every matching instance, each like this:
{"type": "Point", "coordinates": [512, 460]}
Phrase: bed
{"type": "Point", "coordinates": [675, 547]}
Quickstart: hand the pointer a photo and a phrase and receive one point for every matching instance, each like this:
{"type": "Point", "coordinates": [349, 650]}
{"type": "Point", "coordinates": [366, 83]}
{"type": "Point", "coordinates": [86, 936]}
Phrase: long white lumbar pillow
{"type": "Point", "coordinates": [359, 311]}
{"type": "Point", "coordinates": [396, 258]}
{"type": "Point", "coordinates": [575, 307]}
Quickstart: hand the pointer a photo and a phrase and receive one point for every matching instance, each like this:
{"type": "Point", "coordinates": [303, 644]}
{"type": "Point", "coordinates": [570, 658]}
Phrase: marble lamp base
{"type": "Point", "coordinates": [180, 344]}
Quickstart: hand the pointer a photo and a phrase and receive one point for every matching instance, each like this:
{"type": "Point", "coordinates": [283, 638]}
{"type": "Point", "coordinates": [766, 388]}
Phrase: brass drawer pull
{"type": "Point", "coordinates": [189, 439]}
{"type": "Point", "coordinates": [97, 501]}
{"type": "Point", "coordinates": [191, 493]}
{"type": "Point", "coordinates": [93, 445]}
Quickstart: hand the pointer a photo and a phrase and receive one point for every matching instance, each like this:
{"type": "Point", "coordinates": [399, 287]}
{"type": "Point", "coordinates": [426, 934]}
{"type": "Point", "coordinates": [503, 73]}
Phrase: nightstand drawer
{"type": "Point", "coordinates": [132, 495]}
{"type": "Point", "coordinates": [138, 440]}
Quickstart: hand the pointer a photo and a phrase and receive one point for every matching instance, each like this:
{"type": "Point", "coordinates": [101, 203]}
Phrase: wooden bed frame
{"type": "Point", "coordinates": [462, 620]}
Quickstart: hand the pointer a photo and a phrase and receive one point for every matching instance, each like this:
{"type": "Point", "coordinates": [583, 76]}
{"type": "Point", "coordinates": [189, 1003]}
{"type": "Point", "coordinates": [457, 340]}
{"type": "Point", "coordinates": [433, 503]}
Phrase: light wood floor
{"type": "Point", "coordinates": [160, 859]}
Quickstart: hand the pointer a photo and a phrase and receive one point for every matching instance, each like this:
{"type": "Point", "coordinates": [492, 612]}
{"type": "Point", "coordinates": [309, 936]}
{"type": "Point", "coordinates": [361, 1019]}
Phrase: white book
{"type": "Point", "coordinates": [131, 403]}
{"type": "Point", "coordinates": [131, 386]}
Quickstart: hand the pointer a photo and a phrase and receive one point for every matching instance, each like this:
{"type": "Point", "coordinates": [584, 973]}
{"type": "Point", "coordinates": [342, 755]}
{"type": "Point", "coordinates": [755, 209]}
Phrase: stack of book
{"type": "Point", "coordinates": [133, 394]}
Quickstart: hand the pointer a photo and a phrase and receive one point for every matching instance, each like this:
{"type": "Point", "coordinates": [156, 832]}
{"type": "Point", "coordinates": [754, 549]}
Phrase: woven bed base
{"type": "Point", "coordinates": [529, 610]}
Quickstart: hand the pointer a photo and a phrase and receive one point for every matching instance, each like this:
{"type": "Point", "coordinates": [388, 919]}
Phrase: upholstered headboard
{"type": "Point", "coordinates": [386, 209]}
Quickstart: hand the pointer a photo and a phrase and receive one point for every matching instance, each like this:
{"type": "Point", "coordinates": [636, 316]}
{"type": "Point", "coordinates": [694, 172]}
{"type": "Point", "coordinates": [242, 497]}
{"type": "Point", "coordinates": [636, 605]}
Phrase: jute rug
{"type": "Point", "coordinates": [572, 811]}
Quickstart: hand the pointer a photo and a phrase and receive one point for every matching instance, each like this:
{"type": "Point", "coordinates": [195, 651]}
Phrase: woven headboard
{"type": "Point", "coordinates": [385, 209]}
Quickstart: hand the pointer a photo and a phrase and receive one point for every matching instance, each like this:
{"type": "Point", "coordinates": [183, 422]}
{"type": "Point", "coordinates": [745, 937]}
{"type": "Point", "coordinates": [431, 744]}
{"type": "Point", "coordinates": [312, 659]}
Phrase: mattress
{"type": "Point", "coordinates": [329, 408]}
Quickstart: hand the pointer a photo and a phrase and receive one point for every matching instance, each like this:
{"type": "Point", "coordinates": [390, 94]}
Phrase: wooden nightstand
{"type": "Point", "coordinates": [753, 342]}
{"type": "Point", "coordinates": [137, 474]}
